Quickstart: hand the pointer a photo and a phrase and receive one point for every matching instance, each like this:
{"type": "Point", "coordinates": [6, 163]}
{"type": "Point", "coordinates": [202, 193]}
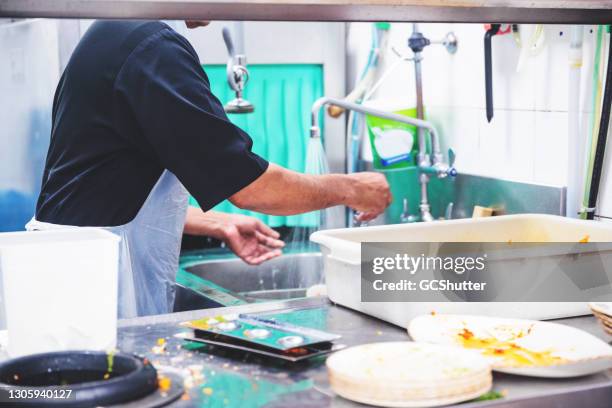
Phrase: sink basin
{"type": "Point", "coordinates": [229, 281]}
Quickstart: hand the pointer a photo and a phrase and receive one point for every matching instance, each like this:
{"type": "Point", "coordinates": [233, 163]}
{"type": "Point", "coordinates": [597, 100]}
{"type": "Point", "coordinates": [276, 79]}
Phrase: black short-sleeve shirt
{"type": "Point", "coordinates": [133, 101]}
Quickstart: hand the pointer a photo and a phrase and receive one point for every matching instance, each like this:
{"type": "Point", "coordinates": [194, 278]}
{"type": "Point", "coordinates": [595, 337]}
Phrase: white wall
{"type": "Point", "coordinates": [29, 71]}
{"type": "Point", "coordinates": [527, 138]}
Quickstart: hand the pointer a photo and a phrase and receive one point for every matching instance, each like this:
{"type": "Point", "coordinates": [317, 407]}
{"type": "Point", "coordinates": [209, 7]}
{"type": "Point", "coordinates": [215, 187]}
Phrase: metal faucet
{"type": "Point", "coordinates": [428, 164]}
{"type": "Point", "coordinates": [237, 76]}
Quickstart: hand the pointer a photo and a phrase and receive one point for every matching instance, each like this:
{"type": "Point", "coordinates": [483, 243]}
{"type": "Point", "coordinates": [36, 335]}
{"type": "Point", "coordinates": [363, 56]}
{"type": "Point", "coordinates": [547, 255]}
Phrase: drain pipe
{"type": "Point", "coordinates": [576, 143]}
{"type": "Point", "coordinates": [602, 138]}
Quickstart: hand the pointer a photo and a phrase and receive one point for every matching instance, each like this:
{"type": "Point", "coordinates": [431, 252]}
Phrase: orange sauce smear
{"type": "Point", "coordinates": [511, 353]}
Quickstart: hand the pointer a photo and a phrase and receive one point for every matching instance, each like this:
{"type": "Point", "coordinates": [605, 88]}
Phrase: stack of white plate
{"type": "Point", "coordinates": [408, 374]}
{"type": "Point", "coordinates": [603, 311]}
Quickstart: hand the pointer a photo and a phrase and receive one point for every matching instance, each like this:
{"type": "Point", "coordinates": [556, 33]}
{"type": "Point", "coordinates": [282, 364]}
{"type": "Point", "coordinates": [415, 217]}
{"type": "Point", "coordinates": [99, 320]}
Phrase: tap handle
{"type": "Point", "coordinates": [452, 171]}
{"type": "Point", "coordinates": [229, 44]}
{"type": "Point", "coordinates": [448, 214]}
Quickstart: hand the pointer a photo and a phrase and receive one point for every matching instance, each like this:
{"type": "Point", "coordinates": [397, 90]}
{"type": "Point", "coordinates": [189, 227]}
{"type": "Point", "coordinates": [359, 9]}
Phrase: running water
{"type": "Point", "coordinates": [316, 159]}
{"type": "Point", "coordinates": [316, 164]}
{"type": "Point", "coordinates": [299, 240]}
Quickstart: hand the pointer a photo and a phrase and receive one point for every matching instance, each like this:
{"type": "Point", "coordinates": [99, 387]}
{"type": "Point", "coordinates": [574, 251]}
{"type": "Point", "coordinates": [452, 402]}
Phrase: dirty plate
{"type": "Point", "coordinates": [523, 347]}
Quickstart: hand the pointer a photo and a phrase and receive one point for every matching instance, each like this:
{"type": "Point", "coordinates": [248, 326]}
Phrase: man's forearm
{"type": "Point", "coordinates": [284, 192]}
{"type": "Point", "coordinates": [210, 223]}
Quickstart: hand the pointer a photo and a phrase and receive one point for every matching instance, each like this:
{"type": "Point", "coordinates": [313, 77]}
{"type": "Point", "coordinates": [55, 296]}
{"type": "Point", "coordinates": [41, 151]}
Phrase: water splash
{"type": "Point", "coordinates": [316, 164]}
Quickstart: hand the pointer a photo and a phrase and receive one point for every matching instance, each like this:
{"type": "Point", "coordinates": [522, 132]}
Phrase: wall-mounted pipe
{"type": "Point", "coordinates": [316, 128]}
{"type": "Point", "coordinates": [417, 42]}
{"type": "Point", "coordinates": [576, 143]}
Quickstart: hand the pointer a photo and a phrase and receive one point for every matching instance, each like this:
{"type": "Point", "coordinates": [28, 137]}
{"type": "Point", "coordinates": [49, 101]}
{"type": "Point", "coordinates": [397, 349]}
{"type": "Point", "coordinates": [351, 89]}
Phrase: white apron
{"type": "Point", "coordinates": [149, 249]}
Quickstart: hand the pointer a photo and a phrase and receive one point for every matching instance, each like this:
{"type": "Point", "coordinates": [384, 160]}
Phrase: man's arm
{"type": "Point", "coordinates": [279, 191]}
{"type": "Point", "coordinates": [188, 133]}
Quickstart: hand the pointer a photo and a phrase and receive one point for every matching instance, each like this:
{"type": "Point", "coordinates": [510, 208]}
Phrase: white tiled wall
{"type": "Point", "coordinates": [527, 138]}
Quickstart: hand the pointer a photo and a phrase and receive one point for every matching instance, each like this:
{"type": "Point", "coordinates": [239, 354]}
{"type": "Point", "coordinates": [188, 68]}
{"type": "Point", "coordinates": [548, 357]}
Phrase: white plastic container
{"type": "Point", "coordinates": [342, 261]}
{"type": "Point", "coordinates": [59, 289]}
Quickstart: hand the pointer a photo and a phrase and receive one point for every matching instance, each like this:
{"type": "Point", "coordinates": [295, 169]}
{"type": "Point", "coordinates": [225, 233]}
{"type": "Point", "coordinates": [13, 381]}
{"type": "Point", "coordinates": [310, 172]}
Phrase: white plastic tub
{"type": "Point", "coordinates": [342, 256]}
{"type": "Point", "coordinates": [59, 289]}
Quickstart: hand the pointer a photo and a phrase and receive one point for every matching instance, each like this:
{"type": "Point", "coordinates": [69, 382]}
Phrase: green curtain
{"type": "Point", "coordinates": [279, 127]}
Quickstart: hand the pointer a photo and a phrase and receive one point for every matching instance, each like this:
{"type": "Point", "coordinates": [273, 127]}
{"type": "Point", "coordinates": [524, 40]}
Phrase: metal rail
{"type": "Point", "coordinates": [473, 11]}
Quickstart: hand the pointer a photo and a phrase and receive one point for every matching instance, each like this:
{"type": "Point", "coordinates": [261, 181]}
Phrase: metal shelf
{"type": "Point", "coordinates": [474, 11]}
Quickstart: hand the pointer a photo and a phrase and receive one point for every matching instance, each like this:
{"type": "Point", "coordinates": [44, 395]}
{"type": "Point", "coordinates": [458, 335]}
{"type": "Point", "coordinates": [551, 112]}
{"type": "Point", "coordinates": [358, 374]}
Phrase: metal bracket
{"type": "Point", "coordinates": [588, 209]}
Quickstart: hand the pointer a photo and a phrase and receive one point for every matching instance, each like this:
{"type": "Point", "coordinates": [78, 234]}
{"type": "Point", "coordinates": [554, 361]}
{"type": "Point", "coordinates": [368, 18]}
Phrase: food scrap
{"type": "Point", "coordinates": [110, 359]}
{"type": "Point", "coordinates": [196, 371]}
{"type": "Point", "coordinates": [511, 353]}
{"type": "Point", "coordinates": [160, 347]}
{"type": "Point", "coordinates": [195, 376]}
{"type": "Point", "coordinates": [466, 334]}
{"type": "Point", "coordinates": [491, 395]}
{"type": "Point", "coordinates": [164, 383]}
{"type": "Point", "coordinates": [297, 351]}
{"type": "Point", "coordinates": [584, 239]}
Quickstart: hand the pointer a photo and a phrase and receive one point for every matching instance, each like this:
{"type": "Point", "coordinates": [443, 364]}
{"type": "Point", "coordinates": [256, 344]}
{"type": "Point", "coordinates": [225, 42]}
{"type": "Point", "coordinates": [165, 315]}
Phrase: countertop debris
{"type": "Point", "coordinates": [217, 378]}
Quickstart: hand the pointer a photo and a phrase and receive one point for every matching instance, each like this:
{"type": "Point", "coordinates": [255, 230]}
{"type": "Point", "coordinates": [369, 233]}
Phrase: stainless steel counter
{"type": "Point", "coordinates": [244, 381]}
{"type": "Point", "coordinates": [475, 11]}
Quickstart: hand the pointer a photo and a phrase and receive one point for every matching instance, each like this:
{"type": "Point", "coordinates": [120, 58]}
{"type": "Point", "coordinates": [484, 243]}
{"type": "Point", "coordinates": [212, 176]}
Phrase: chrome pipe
{"type": "Point", "coordinates": [440, 168]}
{"type": "Point", "coordinates": [315, 130]}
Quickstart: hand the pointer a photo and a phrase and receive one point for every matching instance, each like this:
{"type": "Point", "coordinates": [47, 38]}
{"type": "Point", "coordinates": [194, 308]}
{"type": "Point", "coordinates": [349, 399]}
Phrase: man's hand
{"type": "Point", "coordinates": [370, 195]}
{"type": "Point", "coordinates": [250, 239]}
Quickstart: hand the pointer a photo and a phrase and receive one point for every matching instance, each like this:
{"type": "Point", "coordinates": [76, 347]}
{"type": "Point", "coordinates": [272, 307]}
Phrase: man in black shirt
{"type": "Point", "coordinates": [134, 125]}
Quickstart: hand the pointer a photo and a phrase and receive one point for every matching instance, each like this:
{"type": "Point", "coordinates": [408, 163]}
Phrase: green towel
{"type": "Point", "coordinates": [279, 127]}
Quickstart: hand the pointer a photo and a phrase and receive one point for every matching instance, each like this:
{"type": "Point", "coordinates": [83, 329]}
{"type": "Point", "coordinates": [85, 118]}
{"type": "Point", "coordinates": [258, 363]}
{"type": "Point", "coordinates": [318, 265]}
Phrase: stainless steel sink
{"type": "Point", "coordinates": [285, 277]}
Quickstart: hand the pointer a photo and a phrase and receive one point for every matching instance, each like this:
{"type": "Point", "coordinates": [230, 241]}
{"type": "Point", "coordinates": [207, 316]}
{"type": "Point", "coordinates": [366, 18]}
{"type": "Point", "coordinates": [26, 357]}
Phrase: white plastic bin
{"type": "Point", "coordinates": [59, 289]}
{"type": "Point", "coordinates": [342, 261]}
